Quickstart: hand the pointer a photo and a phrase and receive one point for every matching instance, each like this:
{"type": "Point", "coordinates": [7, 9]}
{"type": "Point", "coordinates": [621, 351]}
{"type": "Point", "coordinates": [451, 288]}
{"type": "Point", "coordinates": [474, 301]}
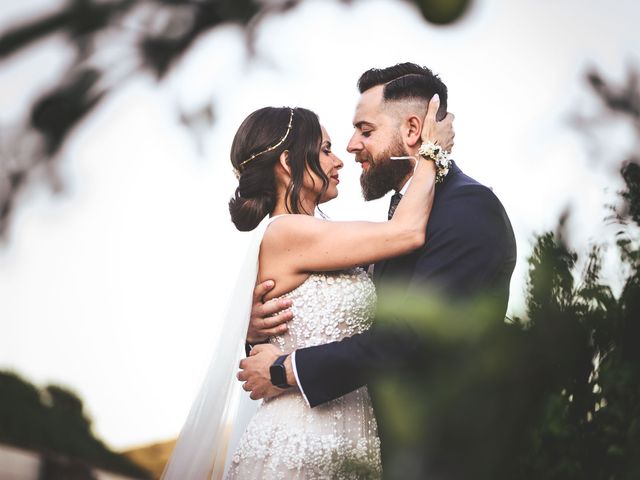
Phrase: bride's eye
{"type": "Point", "coordinates": [326, 151]}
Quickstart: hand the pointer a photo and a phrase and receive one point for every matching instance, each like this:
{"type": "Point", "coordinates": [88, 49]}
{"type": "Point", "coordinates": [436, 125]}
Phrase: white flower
{"type": "Point", "coordinates": [431, 151]}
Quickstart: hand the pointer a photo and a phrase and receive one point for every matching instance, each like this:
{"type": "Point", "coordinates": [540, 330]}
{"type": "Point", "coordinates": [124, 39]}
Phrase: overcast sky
{"type": "Point", "coordinates": [114, 288]}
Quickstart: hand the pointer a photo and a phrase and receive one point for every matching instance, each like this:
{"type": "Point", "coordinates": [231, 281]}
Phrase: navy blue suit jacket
{"type": "Point", "coordinates": [469, 250]}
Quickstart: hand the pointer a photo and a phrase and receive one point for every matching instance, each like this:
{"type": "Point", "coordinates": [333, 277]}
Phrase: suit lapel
{"type": "Point", "coordinates": [380, 267]}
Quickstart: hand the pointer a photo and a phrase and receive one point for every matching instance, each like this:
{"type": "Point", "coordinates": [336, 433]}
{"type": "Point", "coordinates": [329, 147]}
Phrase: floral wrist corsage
{"type": "Point", "coordinates": [432, 151]}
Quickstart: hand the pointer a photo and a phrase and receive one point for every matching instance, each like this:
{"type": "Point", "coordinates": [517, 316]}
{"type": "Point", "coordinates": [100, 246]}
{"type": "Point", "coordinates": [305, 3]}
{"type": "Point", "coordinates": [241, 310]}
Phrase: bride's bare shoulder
{"type": "Point", "coordinates": [291, 226]}
{"type": "Point", "coordinates": [281, 238]}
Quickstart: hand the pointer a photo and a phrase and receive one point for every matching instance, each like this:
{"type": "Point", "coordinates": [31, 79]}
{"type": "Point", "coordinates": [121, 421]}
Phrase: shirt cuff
{"type": "Point", "coordinates": [295, 374]}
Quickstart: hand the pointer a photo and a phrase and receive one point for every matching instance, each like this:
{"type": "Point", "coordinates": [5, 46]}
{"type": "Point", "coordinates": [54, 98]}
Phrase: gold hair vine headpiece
{"type": "Point", "coordinates": [273, 147]}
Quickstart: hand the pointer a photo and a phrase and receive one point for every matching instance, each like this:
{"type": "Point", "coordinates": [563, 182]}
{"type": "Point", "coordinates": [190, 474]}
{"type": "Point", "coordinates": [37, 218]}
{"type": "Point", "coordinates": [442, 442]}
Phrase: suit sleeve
{"type": "Point", "coordinates": [329, 371]}
{"type": "Point", "coordinates": [471, 249]}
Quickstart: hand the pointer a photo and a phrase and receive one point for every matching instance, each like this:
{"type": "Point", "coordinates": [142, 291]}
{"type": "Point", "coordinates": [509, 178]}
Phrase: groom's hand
{"type": "Point", "coordinates": [254, 372]}
{"type": "Point", "coordinates": [263, 323]}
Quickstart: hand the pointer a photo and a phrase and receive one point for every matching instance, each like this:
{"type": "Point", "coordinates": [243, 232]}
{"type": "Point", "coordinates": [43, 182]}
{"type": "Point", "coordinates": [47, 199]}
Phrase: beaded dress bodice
{"type": "Point", "coordinates": [287, 439]}
{"type": "Point", "coordinates": [328, 307]}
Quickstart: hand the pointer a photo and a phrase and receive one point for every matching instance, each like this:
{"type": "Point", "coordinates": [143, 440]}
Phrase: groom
{"type": "Point", "coordinates": [469, 253]}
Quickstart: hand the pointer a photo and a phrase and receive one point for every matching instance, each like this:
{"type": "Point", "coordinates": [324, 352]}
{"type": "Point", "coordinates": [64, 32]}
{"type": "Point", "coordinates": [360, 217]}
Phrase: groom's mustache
{"type": "Point", "coordinates": [364, 157]}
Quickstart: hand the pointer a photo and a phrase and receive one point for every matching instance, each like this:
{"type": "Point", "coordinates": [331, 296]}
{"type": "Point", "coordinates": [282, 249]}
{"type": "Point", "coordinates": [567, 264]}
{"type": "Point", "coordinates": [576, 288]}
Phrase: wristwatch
{"type": "Point", "coordinates": [278, 372]}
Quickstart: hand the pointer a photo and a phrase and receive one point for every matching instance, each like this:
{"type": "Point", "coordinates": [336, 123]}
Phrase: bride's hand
{"type": "Point", "coordinates": [439, 132]}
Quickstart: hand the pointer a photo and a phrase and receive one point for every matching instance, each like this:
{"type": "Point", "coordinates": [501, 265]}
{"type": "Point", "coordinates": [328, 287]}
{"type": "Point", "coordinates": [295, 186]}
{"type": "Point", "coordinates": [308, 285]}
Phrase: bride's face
{"type": "Point", "coordinates": [330, 165]}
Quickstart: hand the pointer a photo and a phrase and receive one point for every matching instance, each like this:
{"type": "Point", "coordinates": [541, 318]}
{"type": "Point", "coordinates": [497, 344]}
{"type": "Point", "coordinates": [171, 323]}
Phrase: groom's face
{"type": "Point", "coordinates": [375, 139]}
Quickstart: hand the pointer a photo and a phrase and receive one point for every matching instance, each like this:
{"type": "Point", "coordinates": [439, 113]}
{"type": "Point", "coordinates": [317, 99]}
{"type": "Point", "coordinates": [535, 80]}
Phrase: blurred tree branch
{"type": "Point", "coordinates": [158, 32]}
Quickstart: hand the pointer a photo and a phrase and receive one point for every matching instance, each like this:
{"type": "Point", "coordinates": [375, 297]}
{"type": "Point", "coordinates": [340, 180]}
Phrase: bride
{"type": "Point", "coordinates": [286, 168]}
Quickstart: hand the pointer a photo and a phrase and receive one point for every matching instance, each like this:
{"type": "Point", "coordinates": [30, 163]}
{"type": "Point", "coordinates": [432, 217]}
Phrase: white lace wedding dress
{"type": "Point", "coordinates": [286, 439]}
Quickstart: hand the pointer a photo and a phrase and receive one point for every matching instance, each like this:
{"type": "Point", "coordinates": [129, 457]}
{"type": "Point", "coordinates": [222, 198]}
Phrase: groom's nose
{"type": "Point", "coordinates": [354, 145]}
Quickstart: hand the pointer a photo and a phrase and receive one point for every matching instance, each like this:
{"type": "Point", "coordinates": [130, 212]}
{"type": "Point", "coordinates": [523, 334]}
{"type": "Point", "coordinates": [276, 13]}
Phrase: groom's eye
{"type": "Point", "coordinates": [366, 134]}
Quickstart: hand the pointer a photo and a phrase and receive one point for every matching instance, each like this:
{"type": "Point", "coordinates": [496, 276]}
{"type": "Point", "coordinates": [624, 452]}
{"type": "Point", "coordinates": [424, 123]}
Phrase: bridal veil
{"type": "Point", "coordinates": [221, 410]}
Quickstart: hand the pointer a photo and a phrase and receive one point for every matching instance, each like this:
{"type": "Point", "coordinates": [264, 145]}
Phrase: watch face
{"type": "Point", "coordinates": [278, 376]}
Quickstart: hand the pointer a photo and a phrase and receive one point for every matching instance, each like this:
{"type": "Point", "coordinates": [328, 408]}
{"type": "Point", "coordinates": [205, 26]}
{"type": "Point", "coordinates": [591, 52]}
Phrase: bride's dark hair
{"type": "Point", "coordinates": [255, 196]}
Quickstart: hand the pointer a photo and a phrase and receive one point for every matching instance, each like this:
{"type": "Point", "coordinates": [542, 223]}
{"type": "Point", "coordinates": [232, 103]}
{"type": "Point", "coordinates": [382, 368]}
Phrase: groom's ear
{"type": "Point", "coordinates": [412, 130]}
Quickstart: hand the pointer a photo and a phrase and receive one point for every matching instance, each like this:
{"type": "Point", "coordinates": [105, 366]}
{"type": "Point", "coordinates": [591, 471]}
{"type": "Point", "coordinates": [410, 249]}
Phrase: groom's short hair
{"type": "Point", "coordinates": [406, 81]}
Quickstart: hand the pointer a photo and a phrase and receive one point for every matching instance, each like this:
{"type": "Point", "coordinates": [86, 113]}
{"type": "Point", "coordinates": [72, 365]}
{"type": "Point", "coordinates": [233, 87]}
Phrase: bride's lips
{"type": "Point", "coordinates": [336, 178]}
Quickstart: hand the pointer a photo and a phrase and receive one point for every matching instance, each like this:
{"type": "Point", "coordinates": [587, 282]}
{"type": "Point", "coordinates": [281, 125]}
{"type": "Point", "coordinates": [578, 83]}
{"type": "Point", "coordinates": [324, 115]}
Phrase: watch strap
{"type": "Point", "coordinates": [280, 360]}
{"type": "Point", "coordinates": [278, 372]}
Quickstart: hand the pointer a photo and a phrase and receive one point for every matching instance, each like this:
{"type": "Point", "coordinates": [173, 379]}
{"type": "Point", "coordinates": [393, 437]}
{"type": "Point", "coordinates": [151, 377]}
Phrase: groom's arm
{"type": "Point", "coordinates": [473, 249]}
{"type": "Point", "coordinates": [324, 372]}
{"type": "Point", "coordinates": [329, 371]}
{"type": "Point", "coordinates": [470, 255]}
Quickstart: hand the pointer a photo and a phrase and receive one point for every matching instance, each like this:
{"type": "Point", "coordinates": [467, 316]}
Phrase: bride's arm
{"type": "Point", "coordinates": [314, 244]}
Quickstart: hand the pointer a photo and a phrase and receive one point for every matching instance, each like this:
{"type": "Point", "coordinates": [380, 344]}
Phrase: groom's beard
{"type": "Point", "coordinates": [383, 174]}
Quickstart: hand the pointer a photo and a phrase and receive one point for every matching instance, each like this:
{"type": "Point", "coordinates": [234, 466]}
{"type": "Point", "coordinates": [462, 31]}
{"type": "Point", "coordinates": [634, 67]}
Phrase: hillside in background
{"type": "Point", "coordinates": [151, 457]}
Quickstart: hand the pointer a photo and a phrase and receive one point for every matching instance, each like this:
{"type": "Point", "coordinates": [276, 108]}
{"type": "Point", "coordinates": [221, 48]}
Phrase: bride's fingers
{"type": "Point", "coordinates": [432, 109]}
{"type": "Point", "coordinates": [429, 124]}
{"type": "Point", "coordinates": [445, 131]}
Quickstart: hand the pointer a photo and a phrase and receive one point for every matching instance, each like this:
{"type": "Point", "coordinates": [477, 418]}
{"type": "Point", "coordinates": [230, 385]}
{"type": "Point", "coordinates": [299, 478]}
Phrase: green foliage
{"type": "Point", "coordinates": [52, 421]}
{"type": "Point", "coordinates": [589, 428]}
{"type": "Point", "coordinates": [553, 395]}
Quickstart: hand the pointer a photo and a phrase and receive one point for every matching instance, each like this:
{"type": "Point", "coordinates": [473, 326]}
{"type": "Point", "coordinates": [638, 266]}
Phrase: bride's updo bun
{"type": "Point", "coordinates": [247, 211]}
{"type": "Point", "coordinates": [256, 149]}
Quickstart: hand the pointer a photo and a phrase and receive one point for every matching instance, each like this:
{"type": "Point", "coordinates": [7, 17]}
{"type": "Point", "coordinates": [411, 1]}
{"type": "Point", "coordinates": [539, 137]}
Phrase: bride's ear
{"type": "Point", "coordinates": [283, 163]}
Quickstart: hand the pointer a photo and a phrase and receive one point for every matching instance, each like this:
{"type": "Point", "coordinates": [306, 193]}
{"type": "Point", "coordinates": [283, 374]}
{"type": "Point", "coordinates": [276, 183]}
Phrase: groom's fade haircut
{"type": "Point", "coordinates": [406, 82]}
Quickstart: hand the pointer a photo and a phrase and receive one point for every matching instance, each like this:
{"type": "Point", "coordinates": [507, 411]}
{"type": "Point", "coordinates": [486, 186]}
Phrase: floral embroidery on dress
{"type": "Point", "coordinates": [287, 439]}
